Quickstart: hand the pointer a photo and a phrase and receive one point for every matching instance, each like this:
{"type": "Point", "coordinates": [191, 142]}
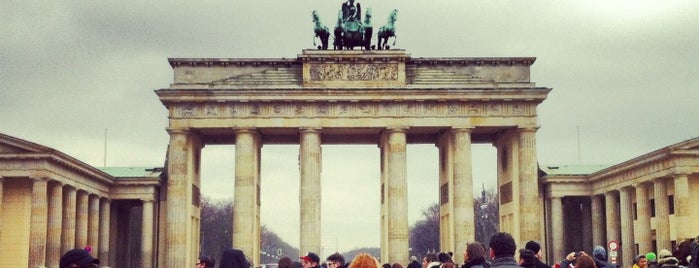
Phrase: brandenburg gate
{"type": "Point", "coordinates": [382, 97]}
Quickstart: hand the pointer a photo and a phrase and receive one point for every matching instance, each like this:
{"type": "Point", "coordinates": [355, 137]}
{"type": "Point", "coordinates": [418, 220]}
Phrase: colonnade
{"type": "Point", "coordinates": [455, 174]}
{"type": "Point", "coordinates": [64, 217]}
{"type": "Point", "coordinates": [637, 215]}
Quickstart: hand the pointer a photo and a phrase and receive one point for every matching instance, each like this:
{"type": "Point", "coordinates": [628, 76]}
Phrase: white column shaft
{"type": "Point", "coordinates": [627, 236]}
{"type": "Point", "coordinates": [464, 227]}
{"type": "Point", "coordinates": [643, 219]}
{"type": "Point", "coordinates": [397, 199]}
{"type": "Point", "coordinates": [246, 202]}
{"type": "Point", "coordinates": [597, 204]}
{"type": "Point", "coordinates": [93, 224]}
{"type": "Point", "coordinates": [55, 225]}
{"type": "Point", "coordinates": [178, 185]}
{"type": "Point", "coordinates": [530, 209]}
{"type": "Point", "coordinates": [68, 225]}
{"type": "Point", "coordinates": [662, 215]}
{"type": "Point", "coordinates": [81, 219]}
{"type": "Point", "coordinates": [310, 190]}
{"type": "Point", "coordinates": [147, 234]}
{"type": "Point", "coordinates": [557, 226]}
{"type": "Point", "coordinates": [612, 217]}
{"type": "Point", "coordinates": [105, 213]}
{"type": "Point", "coordinates": [39, 223]}
{"type": "Point", "coordinates": [683, 207]}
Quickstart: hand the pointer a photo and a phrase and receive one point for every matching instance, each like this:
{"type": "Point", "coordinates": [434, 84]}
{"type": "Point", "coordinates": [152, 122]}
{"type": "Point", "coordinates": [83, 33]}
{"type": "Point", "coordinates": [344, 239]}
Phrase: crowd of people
{"type": "Point", "coordinates": [499, 254]}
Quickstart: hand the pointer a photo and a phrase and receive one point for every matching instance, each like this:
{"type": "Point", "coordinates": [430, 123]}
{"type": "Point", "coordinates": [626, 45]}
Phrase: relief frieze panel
{"type": "Point", "coordinates": [352, 109]}
{"type": "Point", "coordinates": [354, 72]}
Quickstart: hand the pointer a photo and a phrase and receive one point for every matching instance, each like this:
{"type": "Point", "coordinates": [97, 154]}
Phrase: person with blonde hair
{"type": "Point", "coordinates": [364, 260]}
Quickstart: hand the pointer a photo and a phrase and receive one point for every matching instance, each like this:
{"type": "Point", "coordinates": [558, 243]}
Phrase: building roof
{"type": "Point", "coordinates": [132, 172]}
{"type": "Point", "coordinates": [581, 170]}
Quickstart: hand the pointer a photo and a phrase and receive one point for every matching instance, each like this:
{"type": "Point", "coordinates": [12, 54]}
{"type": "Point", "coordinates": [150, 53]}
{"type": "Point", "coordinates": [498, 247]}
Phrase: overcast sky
{"type": "Point", "coordinates": [624, 72]}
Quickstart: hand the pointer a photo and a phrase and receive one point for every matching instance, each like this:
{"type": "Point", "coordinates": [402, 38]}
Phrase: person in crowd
{"type": "Point", "coordinates": [502, 251]}
{"type": "Point", "coordinates": [536, 248]}
{"type": "Point", "coordinates": [284, 262]}
{"type": "Point", "coordinates": [666, 260]}
{"type": "Point", "coordinates": [413, 262]}
{"type": "Point", "coordinates": [445, 258]}
{"type": "Point", "coordinates": [599, 254]}
{"type": "Point", "coordinates": [386, 265]}
{"type": "Point", "coordinates": [475, 256]}
{"type": "Point", "coordinates": [640, 261]}
{"type": "Point", "coordinates": [364, 260]}
{"type": "Point", "coordinates": [205, 262]}
{"type": "Point", "coordinates": [569, 261]}
{"type": "Point", "coordinates": [234, 258]}
{"type": "Point", "coordinates": [296, 264]}
{"type": "Point", "coordinates": [585, 261]}
{"type": "Point", "coordinates": [336, 260]}
{"type": "Point", "coordinates": [311, 260]}
{"type": "Point", "coordinates": [652, 260]}
{"type": "Point", "coordinates": [396, 265]}
{"type": "Point", "coordinates": [430, 260]}
{"type": "Point", "coordinates": [448, 265]}
{"type": "Point", "coordinates": [77, 258]}
{"type": "Point", "coordinates": [527, 258]}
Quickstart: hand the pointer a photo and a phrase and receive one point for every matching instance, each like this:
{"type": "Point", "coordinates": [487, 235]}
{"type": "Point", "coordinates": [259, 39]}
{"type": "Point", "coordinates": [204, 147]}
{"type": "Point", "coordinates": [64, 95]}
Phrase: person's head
{"type": "Point", "coordinates": [534, 247]}
{"type": "Point", "coordinates": [502, 245]}
{"type": "Point", "coordinates": [641, 261]}
{"type": "Point", "coordinates": [428, 258]}
{"type": "Point", "coordinates": [284, 262]}
{"type": "Point", "coordinates": [585, 261]}
{"type": "Point", "coordinates": [444, 257]}
{"type": "Point", "coordinates": [413, 259]}
{"type": "Point", "coordinates": [364, 260]}
{"type": "Point", "coordinates": [527, 258]}
{"type": "Point", "coordinates": [665, 258]}
{"type": "Point", "coordinates": [335, 260]}
{"type": "Point", "coordinates": [78, 258]}
{"type": "Point", "coordinates": [386, 265]}
{"type": "Point", "coordinates": [310, 260]}
{"type": "Point", "coordinates": [474, 251]}
{"type": "Point", "coordinates": [599, 252]}
{"type": "Point", "coordinates": [234, 258]}
{"type": "Point", "coordinates": [650, 256]}
{"type": "Point", "coordinates": [205, 262]}
{"type": "Point", "coordinates": [448, 265]}
{"type": "Point", "coordinates": [396, 265]}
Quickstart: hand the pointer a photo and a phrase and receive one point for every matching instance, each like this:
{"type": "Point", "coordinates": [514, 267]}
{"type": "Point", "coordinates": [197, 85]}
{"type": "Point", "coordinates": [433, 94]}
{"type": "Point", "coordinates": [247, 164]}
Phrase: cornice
{"type": "Point", "coordinates": [459, 61]}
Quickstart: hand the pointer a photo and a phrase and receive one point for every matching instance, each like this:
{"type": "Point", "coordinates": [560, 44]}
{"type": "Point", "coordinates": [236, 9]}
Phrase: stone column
{"type": "Point", "coordinates": [643, 219]}
{"type": "Point", "coordinates": [612, 217]}
{"type": "Point", "coordinates": [68, 222]}
{"type": "Point", "coordinates": [464, 227]}
{"type": "Point", "coordinates": [105, 213]}
{"type": "Point", "coordinates": [557, 227]}
{"type": "Point", "coordinates": [662, 215]}
{"type": "Point", "coordinates": [55, 225]}
{"type": "Point", "coordinates": [597, 204]}
{"type": "Point", "coordinates": [530, 210]}
{"type": "Point", "coordinates": [246, 203]}
{"type": "Point", "coordinates": [147, 234]}
{"type": "Point", "coordinates": [310, 189]}
{"type": "Point", "coordinates": [627, 236]}
{"type": "Point", "coordinates": [397, 198]}
{"type": "Point", "coordinates": [39, 223]}
{"type": "Point", "coordinates": [81, 220]}
{"type": "Point", "coordinates": [682, 207]}
{"type": "Point", "coordinates": [178, 185]}
{"type": "Point", "coordinates": [93, 224]}
{"type": "Point", "coordinates": [2, 195]}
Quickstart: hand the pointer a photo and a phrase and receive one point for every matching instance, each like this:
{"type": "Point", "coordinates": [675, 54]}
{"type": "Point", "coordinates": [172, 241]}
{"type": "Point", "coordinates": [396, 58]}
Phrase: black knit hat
{"type": "Point", "coordinates": [77, 256]}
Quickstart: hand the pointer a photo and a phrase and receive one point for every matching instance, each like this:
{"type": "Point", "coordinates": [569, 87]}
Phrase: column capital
{"type": "Point", "coordinates": [462, 129]}
{"type": "Point", "coordinates": [397, 128]}
{"type": "Point", "coordinates": [310, 129]}
{"type": "Point", "coordinates": [527, 128]}
{"type": "Point", "coordinates": [171, 130]}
